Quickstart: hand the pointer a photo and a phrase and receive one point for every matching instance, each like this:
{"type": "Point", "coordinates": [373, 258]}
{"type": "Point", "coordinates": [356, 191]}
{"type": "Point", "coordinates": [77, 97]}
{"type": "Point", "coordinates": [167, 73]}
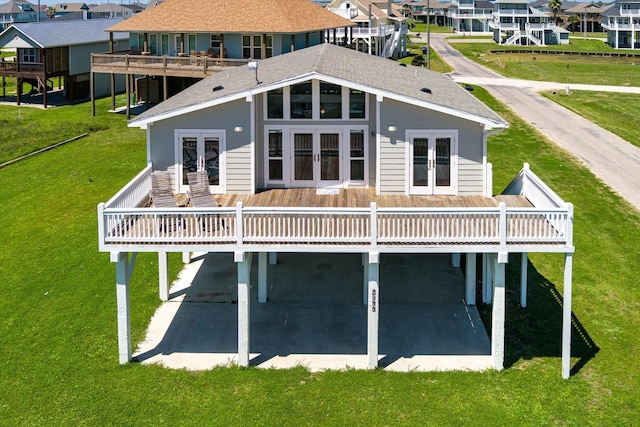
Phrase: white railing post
{"type": "Point", "coordinates": [101, 229]}
{"type": "Point", "coordinates": [374, 225]}
{"type": "Point", "coordinates": [569, 225]}
{"type": "Point", "coordinates": [239, 224]}
{"type": "Point", "coordinates": [502, 227]}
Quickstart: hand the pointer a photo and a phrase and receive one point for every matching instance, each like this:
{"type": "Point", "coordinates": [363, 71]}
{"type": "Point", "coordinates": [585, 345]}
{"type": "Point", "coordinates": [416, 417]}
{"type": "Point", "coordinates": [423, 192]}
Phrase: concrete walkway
{"type": "Point", "coordinates": [315, 316]}
{"type": "Point", "coordinates": [615, 161]}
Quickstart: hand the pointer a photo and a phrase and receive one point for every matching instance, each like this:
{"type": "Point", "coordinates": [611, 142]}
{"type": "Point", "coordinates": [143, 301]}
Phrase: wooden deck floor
{"type": "Point", "coordinates": [361, 198]}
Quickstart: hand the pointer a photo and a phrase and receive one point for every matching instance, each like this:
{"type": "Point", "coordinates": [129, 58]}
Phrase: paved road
{"type": "Point", "coordinates": [612, 159]}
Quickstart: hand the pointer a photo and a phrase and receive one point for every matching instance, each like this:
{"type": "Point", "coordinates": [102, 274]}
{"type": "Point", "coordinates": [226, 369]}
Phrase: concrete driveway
{"type": "Point", "coordinates": [615, 161]}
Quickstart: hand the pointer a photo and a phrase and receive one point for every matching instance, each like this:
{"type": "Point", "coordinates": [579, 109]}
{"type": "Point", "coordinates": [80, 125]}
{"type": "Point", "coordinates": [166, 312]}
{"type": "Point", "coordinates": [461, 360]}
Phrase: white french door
{"type": "Point", "coordinates": [433, 162]}
{"type": "Point", "coordinates": [316, 157]}
{"type": "Point", "coordinates": [200, 151]}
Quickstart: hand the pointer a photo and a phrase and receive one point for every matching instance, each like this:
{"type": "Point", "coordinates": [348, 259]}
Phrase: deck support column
{"type": "Point", "coordinates": [455, 260]}
{"type": "Point", "coordinates": [566, 316]}
{"type": "Point", "coordinates": [186, 257]}
{"type": "Point", "coordinates": [163, 276]}
{"type": "Point", "coordinates": [470, 279]}
{"type": "Point", "coordinates": [244, 304]}
{"type": "Point", "coordinates": [487, 277]}
{"type": "Point", "coordinates": [273, 258]}
{"type": "Point", "coordinates": [262, 277]}
{"type": "Point", "coordinates": [127, 90]}
{"type": "Point", "coordinates": [373, 303]}
{"type": "Point", "coordinates": [523, 279]}
{"type": "Point", "coordinates": [365, 279]}
{"type": "Point", "coordinates": [498, 315]}
{"type": "Point", "coordinates": [112, 86]}
{"type": "Point", "coordinates": [93, 97]}
{"type": "Point", "coordinates": [122, 301]}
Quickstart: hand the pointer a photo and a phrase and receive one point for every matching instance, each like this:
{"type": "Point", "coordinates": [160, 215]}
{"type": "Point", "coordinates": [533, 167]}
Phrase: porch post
{"type": "Point", "coordinates": [186, 257]}
{"type": "Point", "coordinates": [262, 277]}
{"type": "Point", "coordinates": [566, 316]}
{"type": "Point", "coordinates": [273, 258]}
{"type": "Point", "coordinates": [128, 92]}
{"type": "Point", "coordinates": [373, 303]}
{"type": "Point", "coordinates": [93, 97]}
{"type": "Point", "coordinates": [470, 282]}
{"type": "Point", "coordinates": [112, 84]}
{"type": "Point", "coordinates": [498, 316]}
{"type": "Point", "coordinates": [523, 279]}
{"type": "Point", "coordinates": [365, 278]}
{"type": "Point", "coordinates": [163, 276]}
{"type": "Point", "coordinates": [244, 272]}
{"type": "Point", "coordinates": [122, 300]}
{"type": "Point", "coordinates": [455, 260]}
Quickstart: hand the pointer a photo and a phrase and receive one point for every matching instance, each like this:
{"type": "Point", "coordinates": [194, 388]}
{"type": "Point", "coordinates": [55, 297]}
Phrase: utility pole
{"type": "Point", "coordinates": [428, 35]}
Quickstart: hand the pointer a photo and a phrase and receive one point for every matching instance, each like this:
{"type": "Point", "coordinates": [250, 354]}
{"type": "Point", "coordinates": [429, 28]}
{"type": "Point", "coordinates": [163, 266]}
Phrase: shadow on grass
{"type": "Point", "coordinates": [536, 331]}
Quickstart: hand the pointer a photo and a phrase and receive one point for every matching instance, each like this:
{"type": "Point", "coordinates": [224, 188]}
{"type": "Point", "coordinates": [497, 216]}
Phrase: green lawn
{"type": "Point", "coordinates": [421, 27]}
{"type": "Point", "coordinates": [601, 70]}
{"type": "Point", "coordinates": [616, 112]}
{"type": "Point", "coordinates": [59, 363]}
{"type": "Point", "coordinates": [436, 62]}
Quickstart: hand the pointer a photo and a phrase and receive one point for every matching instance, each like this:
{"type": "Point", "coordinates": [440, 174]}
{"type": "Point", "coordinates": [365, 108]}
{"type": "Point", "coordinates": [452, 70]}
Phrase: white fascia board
{"type": "Point", "coordinates": [34, 43]}
{"type": "Point", "coordinates": [488, 123]}
{"type": "Point", "coordinates": [142, 124]}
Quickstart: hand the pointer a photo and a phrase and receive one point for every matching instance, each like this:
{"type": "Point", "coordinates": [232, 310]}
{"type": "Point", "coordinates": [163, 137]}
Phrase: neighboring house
{"type": "Point", "coordinates": [16, 11]}
{"type": "Point", "coordinates": [53, 48]}
{"type": "Point", "coordinates": [113, 10]}
{"type": "Point", "coordinates": [622, 22]}
{"type": "Point", "coordinates": [400, 151]}
{"type": "Point", "coordinates": [516, 22]}
{"type": "Point", "coordinates": [66, 8]}
{"type": "Point", "coordinates": [179, 42]}
{"type": "Point", "coordinates": [589, 14]}
{"type": "Point", "coordinates": [435, 12]}
{"type": "Point", "coordinates": [471, 16]}
{"type": "Point", "coordinates": [379, 27]}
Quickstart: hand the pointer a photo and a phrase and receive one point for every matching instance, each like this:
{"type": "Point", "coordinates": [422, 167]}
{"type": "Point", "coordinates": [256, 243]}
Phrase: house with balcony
{"type": "Point", "coordinates": [516, 22]}
{"type": "Point", "coordinates": [113, 10]}
{"type": "Point", "coordinates": [53, 48]}
{"type": "Point", "coordinates": [62, 9]}
{"type": "Point", "coordinates": [329, 150]}
{"type": "Point", "coordinates": [622, 22]}
{"type": "Point", "coordinates": [16, 11]}
{"type": "Point", "coordinates": [179, 42]}
{"type": "Point", "coordinates": [471, 16]}
{"type": "Point", "coordinates": [379, 27]}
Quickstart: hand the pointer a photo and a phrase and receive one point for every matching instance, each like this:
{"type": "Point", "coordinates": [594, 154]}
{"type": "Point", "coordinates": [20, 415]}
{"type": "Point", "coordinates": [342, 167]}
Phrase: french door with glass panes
{"type": "Point", "coordinates": [433, 162]}
{"type": "Point", "coordinates": [200, 151]}
{"type": "Point", "coordinates": [316, 158]}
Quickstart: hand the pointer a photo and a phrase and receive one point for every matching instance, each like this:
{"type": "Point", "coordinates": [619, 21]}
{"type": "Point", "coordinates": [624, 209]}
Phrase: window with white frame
{"type": "Point", "coordinates": [28, 55]}
{"type": "Point", "coordinates": [252, 47]}
{"type": "Point", "coordinates": [315, 100]}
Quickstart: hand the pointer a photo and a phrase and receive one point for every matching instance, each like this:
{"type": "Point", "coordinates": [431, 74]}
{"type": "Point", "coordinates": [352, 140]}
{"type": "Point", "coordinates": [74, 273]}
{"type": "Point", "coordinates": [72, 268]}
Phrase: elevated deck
{"type": "Point", "coordinates": [340, 220]}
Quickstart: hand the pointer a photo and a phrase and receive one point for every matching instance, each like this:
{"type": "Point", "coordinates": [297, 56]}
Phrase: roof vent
{"type": "Point", "coordinates": [425, 90]}
{"type": "Point", "coordinates": [217, 88]}
{"type": "Point", "coordinates": [402, 64]}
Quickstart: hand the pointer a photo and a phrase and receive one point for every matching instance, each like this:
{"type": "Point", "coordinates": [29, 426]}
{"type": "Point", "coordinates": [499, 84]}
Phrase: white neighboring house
{"type": "Point", "coordinates": [471, 16]}
{"type": "Point", "coordinates": [409, 143]}
{"type": "Point", "coordinates": [622, 22]}
{"type": "Point", "coordinates": [516, 22]}
{"type": "Point", "coordinates": [380, 27]}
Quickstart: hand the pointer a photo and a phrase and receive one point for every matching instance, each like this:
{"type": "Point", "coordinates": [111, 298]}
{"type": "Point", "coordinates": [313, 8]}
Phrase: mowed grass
{"type": "Point", "coordinates": [59, 363]}
{"type": "Point", "coordinates": [436, 62]}
{"type": "Point", "coordinates": [601, 70]}
{"type": "Point", "coordinates": [616, 112]}
{"type": "Point", "coordinates": [28, 129]}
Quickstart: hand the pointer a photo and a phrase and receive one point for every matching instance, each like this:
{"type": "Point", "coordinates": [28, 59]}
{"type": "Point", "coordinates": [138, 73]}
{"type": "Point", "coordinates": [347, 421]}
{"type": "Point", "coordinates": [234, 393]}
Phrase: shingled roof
{"type": "Point", "coordinates": [338, 65]}
{"type": "Point", "coordinates": [233, 16]}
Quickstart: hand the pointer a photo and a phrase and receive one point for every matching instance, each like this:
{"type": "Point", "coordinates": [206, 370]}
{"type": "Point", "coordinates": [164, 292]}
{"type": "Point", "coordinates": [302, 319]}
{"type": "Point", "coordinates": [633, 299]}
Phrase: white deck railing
{"type": "Point", "coordinates": [334, 226]}
{"type": "Point", "coordinates": [123, 221]}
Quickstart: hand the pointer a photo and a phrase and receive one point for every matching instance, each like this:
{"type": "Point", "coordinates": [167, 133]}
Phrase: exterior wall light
{"type": "Point", "coordinates": [238, 129]}
{"type": "Point", "coordinates": [392, 128]}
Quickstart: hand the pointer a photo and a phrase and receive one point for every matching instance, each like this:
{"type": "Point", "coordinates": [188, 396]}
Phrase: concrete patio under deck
{"type": "Point", "coordinates": [315, 316]}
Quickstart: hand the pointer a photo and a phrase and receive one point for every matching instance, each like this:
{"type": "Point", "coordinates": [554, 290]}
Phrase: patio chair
{"type": "Point", "coordinates": [199, 193]}
{"type": "Point", "coordinates": [162, 191]}
{"type": "Point", "coordinates": [200, 197]}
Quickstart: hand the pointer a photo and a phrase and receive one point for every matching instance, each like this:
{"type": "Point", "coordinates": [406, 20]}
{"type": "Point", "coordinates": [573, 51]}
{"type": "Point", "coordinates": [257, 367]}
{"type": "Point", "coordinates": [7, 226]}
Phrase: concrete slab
{"type": "Point", "coordinates": [315, 317]}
